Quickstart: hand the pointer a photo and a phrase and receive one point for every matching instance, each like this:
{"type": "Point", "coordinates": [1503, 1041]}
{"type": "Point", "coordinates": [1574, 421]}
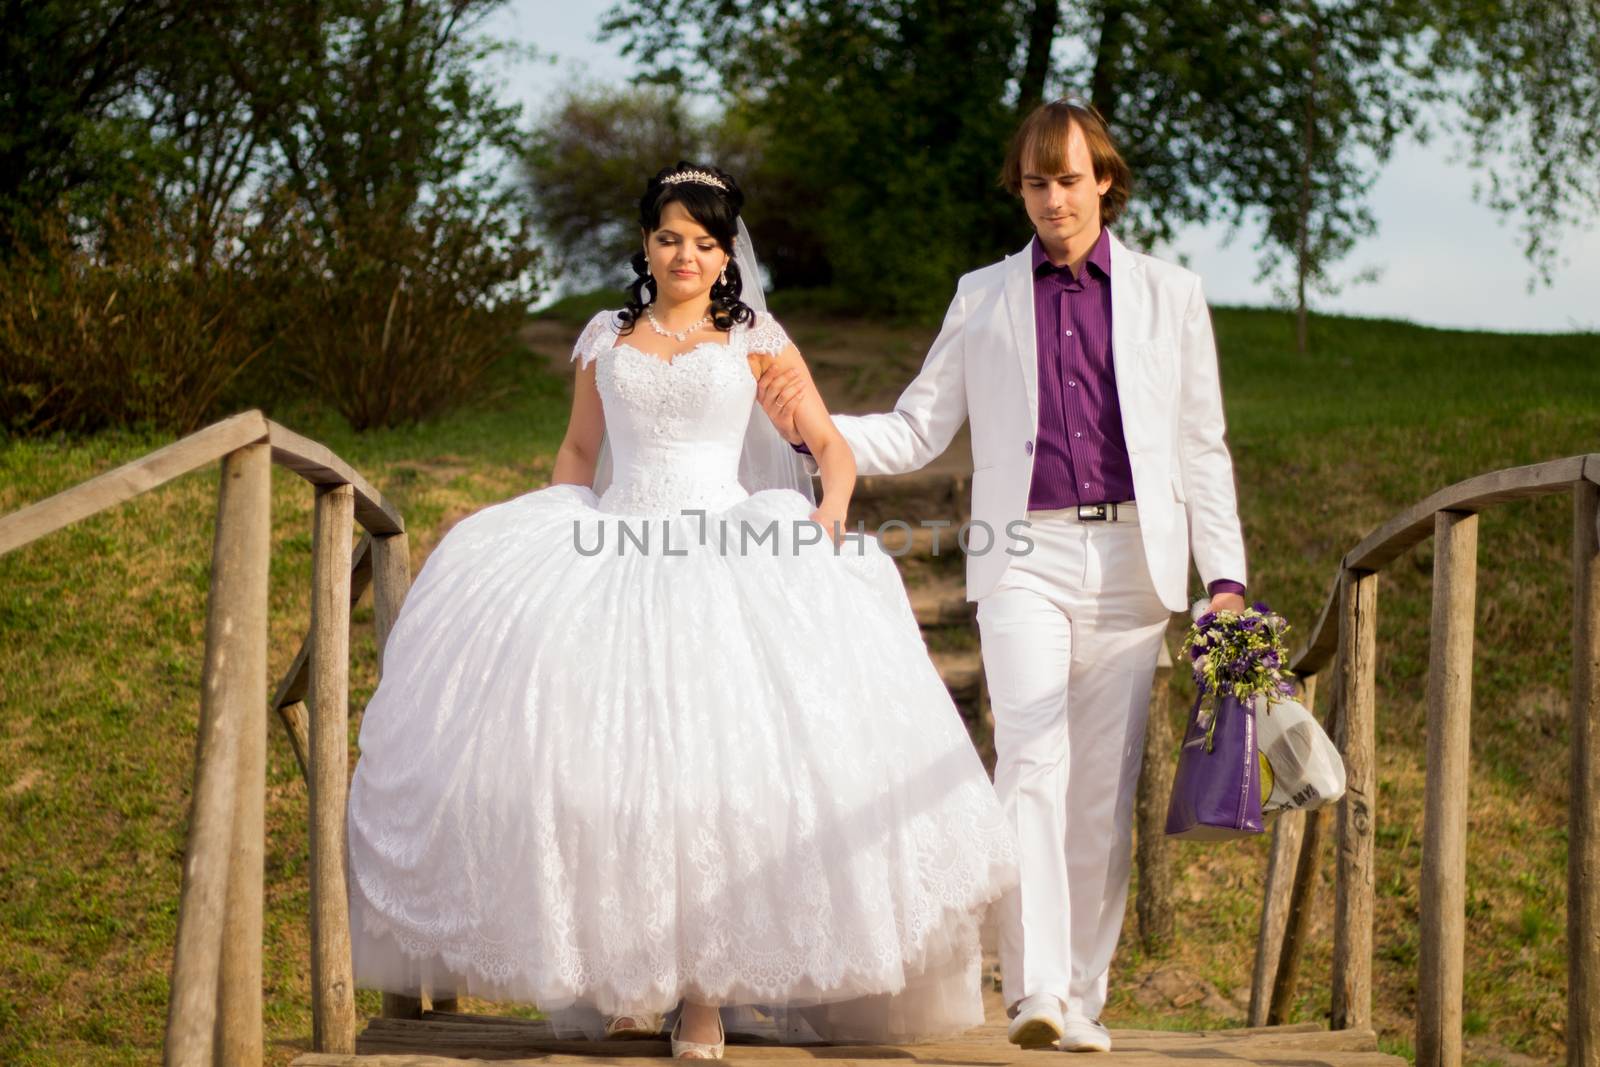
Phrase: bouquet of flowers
{"type": "Point", "coordinates": [1237, 654]}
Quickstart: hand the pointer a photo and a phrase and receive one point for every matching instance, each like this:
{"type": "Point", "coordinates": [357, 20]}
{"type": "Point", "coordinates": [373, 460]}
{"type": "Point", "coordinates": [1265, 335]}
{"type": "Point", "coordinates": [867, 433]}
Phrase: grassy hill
{"type": "Point", "coordinates": [101, 642]}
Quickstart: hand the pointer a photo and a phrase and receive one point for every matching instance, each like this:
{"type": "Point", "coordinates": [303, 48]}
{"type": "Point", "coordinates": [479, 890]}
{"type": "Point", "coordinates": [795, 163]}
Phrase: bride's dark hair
{"type": "Point", "coordinates": [715, 209]}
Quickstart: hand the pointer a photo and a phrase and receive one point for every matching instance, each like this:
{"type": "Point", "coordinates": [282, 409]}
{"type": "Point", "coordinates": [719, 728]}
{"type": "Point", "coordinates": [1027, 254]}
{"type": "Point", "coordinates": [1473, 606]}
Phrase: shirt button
{"type": "Point", "coordinates": [1077, 435]}
{"type": "Point", "coordinates": [1073, 384]}
{"type": "Point", "coordinates": [1086, 485]}
{"type": "Point", "coordinates": [1069, 333]}
{"type": "Point", "coordinates": [1027, 446]}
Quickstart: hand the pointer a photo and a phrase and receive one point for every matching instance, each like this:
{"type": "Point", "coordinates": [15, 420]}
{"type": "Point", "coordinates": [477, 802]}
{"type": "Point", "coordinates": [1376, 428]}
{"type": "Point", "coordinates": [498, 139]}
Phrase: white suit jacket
{"type": "Point", "coordinates": [984, 367]}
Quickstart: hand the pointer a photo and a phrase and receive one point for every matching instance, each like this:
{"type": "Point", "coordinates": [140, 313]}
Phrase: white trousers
{"type": "Point", "coordinates": [1070, 636]}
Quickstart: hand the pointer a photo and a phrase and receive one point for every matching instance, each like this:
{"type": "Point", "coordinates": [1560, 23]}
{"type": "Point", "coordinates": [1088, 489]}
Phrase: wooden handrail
{"type": "Point", "coordinates": [312, 461]}
{"type": "Point", "coordinates": [1415, 524]}
{"type": "Point", "coordinates": [214, 1012]}
{"type": "Point", "coordinates": [1344, 637]}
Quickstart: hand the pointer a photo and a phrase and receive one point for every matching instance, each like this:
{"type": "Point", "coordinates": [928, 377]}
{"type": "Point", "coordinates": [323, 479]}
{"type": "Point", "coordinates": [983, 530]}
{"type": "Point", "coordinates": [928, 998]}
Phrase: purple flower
{"type": "Point", "coordinates": [1262, 607]}
{"type": "Point", "coordinates": [1206, 621]}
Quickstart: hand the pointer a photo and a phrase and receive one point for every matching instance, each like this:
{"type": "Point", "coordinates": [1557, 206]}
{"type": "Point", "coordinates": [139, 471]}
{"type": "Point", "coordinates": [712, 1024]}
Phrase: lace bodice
{"type": "Point", "coordinates": [676, 428]}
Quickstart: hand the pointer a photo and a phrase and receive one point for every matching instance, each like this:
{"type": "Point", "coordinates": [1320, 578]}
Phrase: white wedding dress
{"type": "Point", "coordinates": [598, 780]}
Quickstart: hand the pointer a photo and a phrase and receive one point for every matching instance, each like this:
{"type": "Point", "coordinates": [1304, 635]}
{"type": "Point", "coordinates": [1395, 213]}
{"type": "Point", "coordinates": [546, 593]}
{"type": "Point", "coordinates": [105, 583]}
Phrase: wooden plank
{"type": "Point", "coordinates": [438, 1042]}
{"type": "Point", "coordinates": [1153, 904]}
{"type": "Point", "coordinates": [1354, 886]}
{"type": "Point", "coordinates": [232, 681]}
{"type": "Point", "coordinates": [1583, 812]}
{"type": "Point", "coordinates": [1444, 824]}
{"type": "Point", "coordinates": [123, 483]}
{"type": "Point", "coordinates": [333, 1012]}
{"type": "Point", "coordinates": [317, 464]}
{"type": "Point", "coordinates": [288, 700]}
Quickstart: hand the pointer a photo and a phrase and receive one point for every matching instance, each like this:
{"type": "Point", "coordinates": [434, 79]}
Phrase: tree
{"type": "Point", "coordinates": [1226, 109]}
{"type": "Point", "coordinates": [337, 165]}
{"type": "Point", "coordinates": [1528, 88]}
{"type": "Point", "coordinates": [1341, 94]}
{"type": "Point", "coordinates": [878, 121]}
{"type": "Point", "coordinates": [70, 125]}
{"type": "Point", "coordinates": [412, 256]}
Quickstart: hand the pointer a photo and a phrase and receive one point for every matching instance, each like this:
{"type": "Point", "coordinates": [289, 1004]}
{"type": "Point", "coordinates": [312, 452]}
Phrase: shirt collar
{"type": "Point", "coordinates": [1099, 257]}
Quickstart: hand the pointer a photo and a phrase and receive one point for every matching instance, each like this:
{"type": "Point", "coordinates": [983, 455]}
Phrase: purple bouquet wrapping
{"type": "Point", "coordinates": [1237, 659]}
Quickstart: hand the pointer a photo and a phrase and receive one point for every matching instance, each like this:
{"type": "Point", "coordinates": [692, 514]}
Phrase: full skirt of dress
{"type": "Point", "coordinates": [603, 771]}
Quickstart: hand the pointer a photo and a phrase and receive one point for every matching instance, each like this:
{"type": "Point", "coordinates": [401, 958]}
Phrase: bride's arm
{"type": "Point", "coordinates": [835, 461]}
{"type": "Point", "coordinates": [580, 449]}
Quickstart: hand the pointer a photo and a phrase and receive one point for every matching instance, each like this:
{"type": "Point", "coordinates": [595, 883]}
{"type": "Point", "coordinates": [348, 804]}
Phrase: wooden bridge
{"type": "Point", "coordinates": [215, 1007]}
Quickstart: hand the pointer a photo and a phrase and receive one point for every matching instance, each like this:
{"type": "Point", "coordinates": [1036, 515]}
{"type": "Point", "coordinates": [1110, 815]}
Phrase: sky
{"type": "Point", "coordinates": [1443, 259]}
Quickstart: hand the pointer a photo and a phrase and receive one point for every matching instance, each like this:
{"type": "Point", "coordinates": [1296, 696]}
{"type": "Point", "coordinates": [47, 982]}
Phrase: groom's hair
{"type": "Point", "coordinates": [1043, 136]}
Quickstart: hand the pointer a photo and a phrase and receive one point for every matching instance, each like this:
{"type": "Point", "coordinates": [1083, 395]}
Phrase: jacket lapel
{"type": "Point", "coordinates": [1127, 304]}
{"type": "Point", "coordinates": [1019, 305]}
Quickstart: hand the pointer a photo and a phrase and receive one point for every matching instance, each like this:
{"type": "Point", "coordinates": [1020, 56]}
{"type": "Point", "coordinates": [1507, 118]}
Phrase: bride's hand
{"type": "Point", "coordinates": [832, 522]}
{"type": "Point", "coordinates": [779, 392]}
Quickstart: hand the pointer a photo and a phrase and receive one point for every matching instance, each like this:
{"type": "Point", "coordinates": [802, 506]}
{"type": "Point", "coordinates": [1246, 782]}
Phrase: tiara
{"type": "Point", "coordinates": [697, 176]}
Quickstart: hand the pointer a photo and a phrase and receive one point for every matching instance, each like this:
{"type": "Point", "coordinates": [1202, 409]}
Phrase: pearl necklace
{"type": "Point", "coordinates": [678, 335]}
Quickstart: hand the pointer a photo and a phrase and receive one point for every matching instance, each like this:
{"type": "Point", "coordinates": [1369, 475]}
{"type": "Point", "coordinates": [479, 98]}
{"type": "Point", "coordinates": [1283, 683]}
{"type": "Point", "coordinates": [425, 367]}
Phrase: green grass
{"type": "Point", "coordinates": [101, 633]}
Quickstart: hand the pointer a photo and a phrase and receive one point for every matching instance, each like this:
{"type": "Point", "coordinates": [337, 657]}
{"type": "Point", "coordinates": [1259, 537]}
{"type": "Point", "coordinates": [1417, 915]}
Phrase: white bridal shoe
{"type": "Point", "coordinates": [1037, 1023]}
{"type": "Point", "coordinates": [698, 1050]}
{"type": "Point", "coordinates": [1084, 1035]}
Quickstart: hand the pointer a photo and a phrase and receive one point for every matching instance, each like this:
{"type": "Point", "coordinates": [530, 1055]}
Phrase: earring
{"type": "Point", "coordinates": [724, 274]}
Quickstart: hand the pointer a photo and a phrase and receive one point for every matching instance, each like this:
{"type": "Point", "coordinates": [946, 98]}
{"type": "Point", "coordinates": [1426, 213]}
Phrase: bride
{"type": "Point", "coordinates": [659, 734]}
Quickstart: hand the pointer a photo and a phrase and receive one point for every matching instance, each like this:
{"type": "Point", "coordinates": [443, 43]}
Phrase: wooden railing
{"type": "Point", "coordinates": [1345, 640]}
{"type": "Point", "coordinates": [214, 1012]}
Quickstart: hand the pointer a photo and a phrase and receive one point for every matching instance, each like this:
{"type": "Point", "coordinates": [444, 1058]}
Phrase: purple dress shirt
{"type": "Point", "coordinates": [1079, 453]}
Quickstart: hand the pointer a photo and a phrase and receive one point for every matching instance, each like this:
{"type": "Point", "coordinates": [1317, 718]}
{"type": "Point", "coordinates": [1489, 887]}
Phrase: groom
{"type": "Point", "coordinates": [1089, 374]}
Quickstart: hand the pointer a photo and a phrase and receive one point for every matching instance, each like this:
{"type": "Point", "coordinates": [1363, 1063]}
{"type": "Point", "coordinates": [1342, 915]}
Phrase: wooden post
{"type": "Point", "coordinates": [233, 684]}
{"type": "Point", "coordinates": [1353, 892]}
{"type": "Point", "coordinates": [238, 1038]}
{"type": "Point", "coordinates": [1283, 901]}
{"type": "Point", "coordinates": [391, 577]}
{"type": "Point", "coordinates": [333, 1009]}
{"type": "Point", "coordinates": [1297, 928]}
{"type": "Point", "coordinates": [1583, 813]}
{"type": "Point", "coordinates": [1287, 831]}
{"type": "Point", "coordinates": [1444, 822]}
{"type": "Point", "coordinates": [1153, 904]}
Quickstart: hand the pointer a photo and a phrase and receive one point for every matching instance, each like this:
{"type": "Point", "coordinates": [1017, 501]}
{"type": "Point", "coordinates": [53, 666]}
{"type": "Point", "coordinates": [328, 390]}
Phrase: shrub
{"type": "Point", "coordinates": [124, 331]}
{"type": "Point", "coordinates": [397, 319]}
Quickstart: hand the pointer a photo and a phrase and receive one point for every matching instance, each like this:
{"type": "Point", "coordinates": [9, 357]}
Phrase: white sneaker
{"type": "Point", "coordinates": [1037, 1023]}
{"type": "Point", "coordinates": [1084, 1035]}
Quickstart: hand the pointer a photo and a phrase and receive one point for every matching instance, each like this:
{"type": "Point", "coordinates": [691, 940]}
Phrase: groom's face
{"type": "Point", "coordinates": [1061, 194]}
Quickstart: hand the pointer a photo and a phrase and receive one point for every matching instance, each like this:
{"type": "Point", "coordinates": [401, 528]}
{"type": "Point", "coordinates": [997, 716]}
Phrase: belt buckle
{"type": "Point", "coordinates": [1096, 512]}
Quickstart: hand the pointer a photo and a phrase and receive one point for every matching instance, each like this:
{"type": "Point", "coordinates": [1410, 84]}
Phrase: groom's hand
{"type": "Point", "coordinates": [779, 392]}
{"type": "Point", "coordinates": [1227, 602]}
